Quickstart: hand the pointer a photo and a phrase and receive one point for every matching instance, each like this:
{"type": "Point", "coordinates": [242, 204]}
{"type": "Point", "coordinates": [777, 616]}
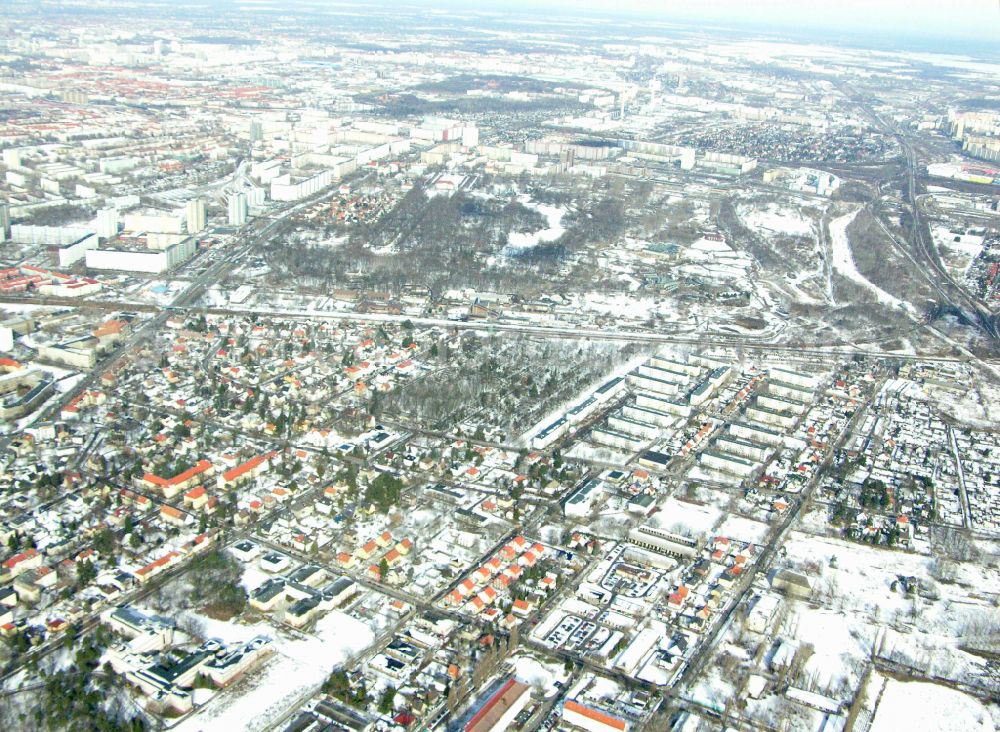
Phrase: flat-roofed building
{"type": "Point", "coordinates": [780, 404]}
{"type": "Point", "coordinates": [796, 378]}
{"type": "Point", "coordinates": [655, 460]}
{"type": "Point", "coordinates": [727, 463]}
{"type": "Point", "coordinates": [648, 416]}
{"type": "Point", "coordinates": [651, 384]}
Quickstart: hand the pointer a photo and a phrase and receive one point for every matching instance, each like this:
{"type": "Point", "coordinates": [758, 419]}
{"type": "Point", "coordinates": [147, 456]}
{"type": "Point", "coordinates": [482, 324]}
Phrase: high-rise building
{"type": "Point", "coordinates": [238, 209]}
{"type": "Point", "coordinates": [5, 220]}
{"type": "Point", "coordinates": [107, 223]}
{"type": "Point", "coordinates": [256, 130]}
{"type": "Point", "coordinates": [255, 196]}
{"type": "Point", "coordinates": [196, 216]}
{"type": "Point", "coordinates": [12, 157]}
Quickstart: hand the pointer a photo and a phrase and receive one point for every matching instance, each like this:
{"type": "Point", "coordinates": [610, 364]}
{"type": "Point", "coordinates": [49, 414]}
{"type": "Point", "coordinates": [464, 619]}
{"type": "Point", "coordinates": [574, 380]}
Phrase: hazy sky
{"type": "Point", "coordinates": [979, 19]}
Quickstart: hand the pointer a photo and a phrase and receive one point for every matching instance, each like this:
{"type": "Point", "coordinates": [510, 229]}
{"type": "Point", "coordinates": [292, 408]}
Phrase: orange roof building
{"type": "Point", "coordinates": [591, 719]}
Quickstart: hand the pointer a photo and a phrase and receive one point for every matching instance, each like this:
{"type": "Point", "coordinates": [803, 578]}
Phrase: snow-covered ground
{"type": "Point", "coordinates": [588, 451]}
{"type": "Point", "coordinates": [837, 644]}
{"type": "Point", "coordinates": [843, 260]}
{"type": "Point", "coordinates": [560, 410]}
{"type": "Point", "coordinates": [686, 517]}
{"type": "Point", "coordinates": [541, 675]}
{"type": "Point", "coordinates": [776, 219]}
{"type": "Point", "coordinates": [296, 666]}
{"type": "Point", "coordinates": [862, 611]}
{"type": "Point", "coordinates": [921, 707]}
{"type": "Point", "coordinates": [743, 529]}
{"type": "Point", "coordinates": [958, 250]}
{"type": "Point", "coordinates": [554, 229]}
{"type": "Point", "coordinates": [625, 306]}
{"type": "Point", "coordinates": [715, 260]}
{"type": "Point", "coordinates": [975, 407]}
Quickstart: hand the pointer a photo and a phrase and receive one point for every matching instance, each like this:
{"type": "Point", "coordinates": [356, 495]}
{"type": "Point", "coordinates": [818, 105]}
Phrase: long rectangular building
{"type": "Point", "coordinates": [625, 425]}
{"type": "Point", "coordinates": [141, 260]}
{"type": "Point", "coordinates": [727, 463]}
{"type": "Point", "coordinates": [611, 438]}
{"type": "Point", "coordinates": [662, 403]}
{"type": "Point", "coordinates": [663, 375]}
{"type": "Point", "coordinates": [548, 435]}
{"type": "Point", "coordinates": [592, 720]}
{"type": "Point", "coordinates": [766, 415]}
{"type": "Point", "coordinates": [582, 410]}
{"type": "Point", "coordinates": [663, 542]}
{"type": "Point", "coordinates": [610, 389]}
{"type": "Point", "coordinates": [743, 448]}
{"type": "Point", "coordinates": [789, 391]}
{"type": "Point", "coordinates": [757, 433]}
{"type": "Point", "coordinates": [649, 416]}
{"type": "Point", "coordinates": [781, 405]}
{"type": "Point", "coordinates": [668, 364]}
{"type": "Point", "coordinates": [648, 383]}
{"type": "Point", "coordinates": [654, 460]}
{"type": "Point", "coordinates": [500, 710]}
{"type": "Point", "coordinates": [796, 378]}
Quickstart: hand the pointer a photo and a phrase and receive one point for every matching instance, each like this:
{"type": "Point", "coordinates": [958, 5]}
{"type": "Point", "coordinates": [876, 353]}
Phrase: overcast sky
{"type": "Point", "coordinates": [978, 19]}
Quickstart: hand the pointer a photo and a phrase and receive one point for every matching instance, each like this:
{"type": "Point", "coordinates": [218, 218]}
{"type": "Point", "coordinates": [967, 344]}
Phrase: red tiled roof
{"type": "Point", "coordinates": [595, 715]}
{"type": "Point", "coordinates": [246, 467]}
{"type": "Point", "coordinates": [201, 467]}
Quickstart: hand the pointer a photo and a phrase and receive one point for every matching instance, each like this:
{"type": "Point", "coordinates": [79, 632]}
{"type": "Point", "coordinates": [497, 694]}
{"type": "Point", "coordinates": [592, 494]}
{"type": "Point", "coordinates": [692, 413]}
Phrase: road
{"type": "Point", "coordinates": [963, 496]}
{"type": "Point", "coordinates": [720, 341]}
{"type": "Point", "coordinates": [255, 233]}
{"type": "Point", "coordinates": [186, 302]}
{"type": "Point", "coordinates": [767, 553]}
{"type": "Point", "coordinates": [956, 295]}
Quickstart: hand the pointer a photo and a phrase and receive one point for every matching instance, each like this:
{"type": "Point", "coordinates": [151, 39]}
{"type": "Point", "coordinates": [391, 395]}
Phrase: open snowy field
{"type": "Point", "coordinates": [776, 219]}
{"type": "Point", "coordinates": [690, 517]}
{"type": "Point", "coordinates": [922, 707]}
{"type": "Point", "coordinates": [864, 609]}
{"type": "Point", "coordinates": [297, 666]}
{"type": "Point", "coordinates": [843, 259]}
